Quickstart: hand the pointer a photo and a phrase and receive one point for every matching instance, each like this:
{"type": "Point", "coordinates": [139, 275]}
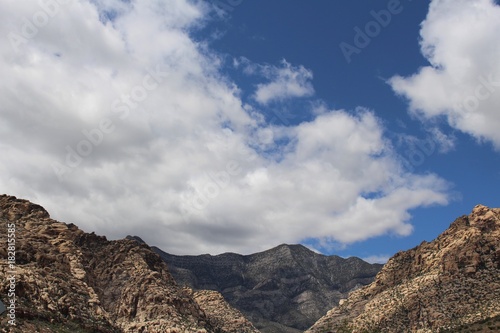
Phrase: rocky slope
{"type": "Point", "coordinates": [285, 289]}
{"type": "Point", "coordinates": [218, 311]}
{"type": "Point", "coordinates": [71, 281]}
{"type": "Point", "coordinates": [451, 284]}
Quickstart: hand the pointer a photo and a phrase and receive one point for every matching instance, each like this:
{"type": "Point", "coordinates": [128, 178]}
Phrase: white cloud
{"type": "Point", "coordinates": [460, 39]}
{"type": "Point", "coordinates": [377, 259]}
{"type": "Point", "coordinates": [445, 142]}
{"type": "Point", "coordinates": [167, 150]}
{"type": "Point", "coordinates": [285, 82]}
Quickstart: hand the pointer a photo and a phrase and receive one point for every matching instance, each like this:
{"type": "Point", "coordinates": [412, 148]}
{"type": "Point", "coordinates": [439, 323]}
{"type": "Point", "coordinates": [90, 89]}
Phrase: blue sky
{"type": "Point", "coordinates": [238, 125]}
{"type": "Point", "coordinates": [311, 35]}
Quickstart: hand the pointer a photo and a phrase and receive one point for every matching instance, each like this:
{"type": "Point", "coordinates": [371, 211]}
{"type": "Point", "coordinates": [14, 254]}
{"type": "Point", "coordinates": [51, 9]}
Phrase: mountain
{"type": "Point", "coordinates": [281, 290]}
{"type": "Point", "coordinates": [67, 280]}
{"type": "Point", "coordinates": [451, 284]}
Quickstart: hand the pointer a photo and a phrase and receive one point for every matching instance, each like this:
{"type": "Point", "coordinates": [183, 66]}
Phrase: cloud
{"type": "Point", "coordinates": [462, 83]}
{"type": "Point", "coordinates": [445, 142]}
{"type": "Point", "coordinates": [115, 119]}
{"type": "Point", "coordinates": [285, 82]}
{"type": "Point", "coordinates": [377, 259]}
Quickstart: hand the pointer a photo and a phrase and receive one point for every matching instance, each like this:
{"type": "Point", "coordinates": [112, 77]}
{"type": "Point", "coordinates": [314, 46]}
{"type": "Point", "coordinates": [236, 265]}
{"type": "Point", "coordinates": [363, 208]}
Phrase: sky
{"type": "Point", "coordinates": [356, 128]}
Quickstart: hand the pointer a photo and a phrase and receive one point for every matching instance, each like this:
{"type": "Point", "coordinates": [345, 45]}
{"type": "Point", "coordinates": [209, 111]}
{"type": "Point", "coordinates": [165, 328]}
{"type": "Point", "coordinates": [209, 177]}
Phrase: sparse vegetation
{"type": "Point", "coordinates": [42, 326]}
{"type": "Point", "coordinates": [488, 325]}
{"type": "Point", "coordinates": [438, 286]}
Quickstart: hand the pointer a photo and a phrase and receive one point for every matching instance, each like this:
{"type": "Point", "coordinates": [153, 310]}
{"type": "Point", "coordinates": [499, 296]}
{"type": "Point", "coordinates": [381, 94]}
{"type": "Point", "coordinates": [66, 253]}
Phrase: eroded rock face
{"type": "Point", "coordinates": [220, 313]}
{"type": "Point", "coordinates": [67, 279]}
{"type": "Point", "coordinates": [282, 290]}
{"type": "Point", "coordinates": [449, 282]}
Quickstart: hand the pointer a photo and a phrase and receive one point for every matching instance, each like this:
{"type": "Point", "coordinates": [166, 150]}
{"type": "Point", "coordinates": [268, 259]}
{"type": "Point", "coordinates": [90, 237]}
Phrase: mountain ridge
{"type": "Point", "coordinates": [445, 285]}
{"type": "Point", "coordinates": [284, 289]}
{"type": "Point", "coordinates": [67, 280]}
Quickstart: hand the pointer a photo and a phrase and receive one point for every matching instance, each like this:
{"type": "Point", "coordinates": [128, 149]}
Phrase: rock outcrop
{"type": "Point", "coordinates": [282, 290]}
{"type": "Point", "coordinates": [67, 280]}
{"type": "Point", "coordinates": [446, 285]}
{"type": "Point", "coordinates": [219, 312]}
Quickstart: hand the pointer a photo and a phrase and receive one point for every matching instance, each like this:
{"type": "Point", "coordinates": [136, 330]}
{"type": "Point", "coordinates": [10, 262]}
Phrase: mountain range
{"type": "Point", "coordinates": [68, 281]}
{"type": "Point", "coordinates": [281, 290]}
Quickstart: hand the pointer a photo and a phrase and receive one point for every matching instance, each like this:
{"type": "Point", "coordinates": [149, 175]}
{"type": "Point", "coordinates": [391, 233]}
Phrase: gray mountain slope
{"type": "Point", "coordinates": [281, 290]}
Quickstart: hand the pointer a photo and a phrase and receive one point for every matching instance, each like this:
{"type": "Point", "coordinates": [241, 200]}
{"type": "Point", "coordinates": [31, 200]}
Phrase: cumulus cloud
{"type": "Point", "coordinates": [285, 82]}
{"type": "Point", "coordinates": [460, 40]}
{"type": "Point", "coordinates": [115, 119]}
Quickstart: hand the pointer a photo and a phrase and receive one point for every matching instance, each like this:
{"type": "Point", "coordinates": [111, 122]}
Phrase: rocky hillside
{"type": "Point", "coordinates": [451, 284]}
{"type": "Point", "coordinates": [282, 290]}
{"type": "Point", "coordinates": [71, 281]}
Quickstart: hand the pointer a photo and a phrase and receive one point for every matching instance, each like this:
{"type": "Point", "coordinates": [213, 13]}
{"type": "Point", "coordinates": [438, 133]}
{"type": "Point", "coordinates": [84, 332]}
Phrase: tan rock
{"type": "Point", "coordinates": [449, 282]}
{"type": "Point", "coordinates": [68, 280]}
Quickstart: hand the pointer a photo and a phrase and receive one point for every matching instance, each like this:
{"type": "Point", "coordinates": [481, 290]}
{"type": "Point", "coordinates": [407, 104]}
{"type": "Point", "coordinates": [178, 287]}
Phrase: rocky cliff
{"type": "Point", "coordinates": [285, 289]}
{"type": "Point", "coordinates": [67, 280]}
{"type": "Point", "coordinates": [451, 284]}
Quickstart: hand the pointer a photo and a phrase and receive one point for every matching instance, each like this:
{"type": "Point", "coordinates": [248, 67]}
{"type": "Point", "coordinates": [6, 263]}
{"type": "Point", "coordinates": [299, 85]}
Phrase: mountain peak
{"type": "Point", "coordinates": [447, 283]}
{"type": "Point", "coordinates": [13, 208]}
{"type": "Point", "coordinates": [291, 248]}
{"type": "Point", "coordinates": [484, 215]}
{"type": "Point", "coordinates": [69, 280]}
{"type": "Point", "coordinates": [136, 238]}
{"type": "Point", "coordinates": [283, 289]}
